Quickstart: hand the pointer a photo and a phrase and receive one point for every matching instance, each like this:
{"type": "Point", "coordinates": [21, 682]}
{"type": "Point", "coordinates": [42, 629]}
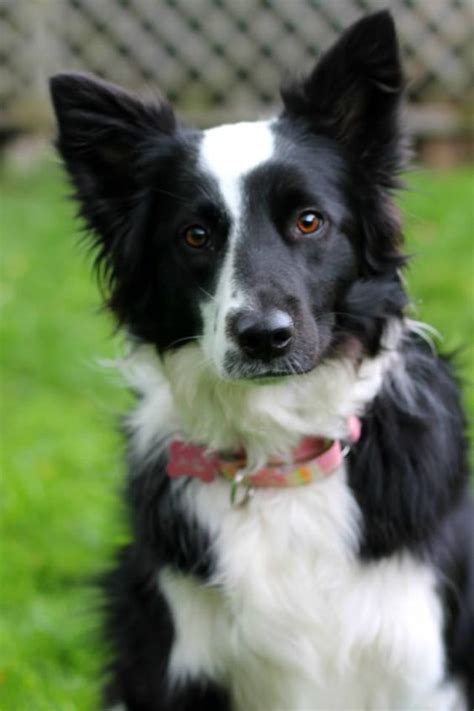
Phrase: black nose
{"type": "Point", "coordinates": [264, 336]}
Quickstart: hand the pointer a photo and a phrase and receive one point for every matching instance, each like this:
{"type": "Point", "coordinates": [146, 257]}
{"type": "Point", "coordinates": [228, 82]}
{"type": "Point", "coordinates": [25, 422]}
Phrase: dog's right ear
{"type": "Point", "coordinates": [101, 133]}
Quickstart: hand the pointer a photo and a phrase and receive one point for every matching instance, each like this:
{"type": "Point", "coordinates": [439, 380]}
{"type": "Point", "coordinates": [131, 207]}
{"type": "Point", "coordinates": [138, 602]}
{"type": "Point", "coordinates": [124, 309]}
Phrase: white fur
{"type": "Point", "coordinates": [229, 153]}
{"type": "Point", "coordinates": [292, 619]}
{"type": "Point", "coordinates": [155, 419]}
{"type": "Point", "coordinates": [183, 394]}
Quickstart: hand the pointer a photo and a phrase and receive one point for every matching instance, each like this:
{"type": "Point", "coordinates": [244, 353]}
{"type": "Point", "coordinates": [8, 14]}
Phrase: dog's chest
{"type": "Point", "coordinates": [292, 619]}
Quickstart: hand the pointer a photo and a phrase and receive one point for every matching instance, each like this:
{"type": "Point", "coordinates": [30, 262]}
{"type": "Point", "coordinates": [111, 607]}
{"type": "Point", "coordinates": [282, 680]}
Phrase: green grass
{"type": "Point", "coordinates": [61, 456]}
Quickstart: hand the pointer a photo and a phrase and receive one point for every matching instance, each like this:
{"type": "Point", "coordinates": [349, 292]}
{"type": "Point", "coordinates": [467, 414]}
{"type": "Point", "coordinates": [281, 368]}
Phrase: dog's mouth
{"type": "Point", "coordinates": [264, 373]}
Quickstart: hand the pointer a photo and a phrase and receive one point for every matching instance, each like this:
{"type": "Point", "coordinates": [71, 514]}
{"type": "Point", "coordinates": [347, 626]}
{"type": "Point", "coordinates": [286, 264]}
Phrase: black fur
{"type": "Point", "coordinates": [452, 550]}
{"type": "Point", "coordinates": [412, 431]}
{"type": "Point", "coordinates": [340, 142]}
{"type": "Point", "coordinates": [139, 625]}
{"type": "Point", "coordinates": [158, 524]}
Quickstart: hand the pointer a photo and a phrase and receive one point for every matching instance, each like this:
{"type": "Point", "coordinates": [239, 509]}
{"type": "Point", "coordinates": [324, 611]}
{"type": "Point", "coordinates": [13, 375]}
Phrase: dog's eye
{"type": "Point", "coordinates": [309, 221]}
{"type": "Point", "coordinates": [196, 236]}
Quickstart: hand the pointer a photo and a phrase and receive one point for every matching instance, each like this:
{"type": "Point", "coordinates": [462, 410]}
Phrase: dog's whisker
{"type": "Point", "coordinates": [185, 339]}
{"type": "Point", "coordinates": [210, 296]}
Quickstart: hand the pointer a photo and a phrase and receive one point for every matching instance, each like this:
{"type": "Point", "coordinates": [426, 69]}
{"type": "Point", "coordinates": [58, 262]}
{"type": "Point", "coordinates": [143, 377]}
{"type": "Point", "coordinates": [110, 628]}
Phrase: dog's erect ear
{"type": "Point", "coordinates": [101, 131]}
{"type": "Point", "coordinates": [353, 94]}
{"type": "Point", "coordinates": [100, 122]}
{"type": "Point", "coordinates": [103, 135]}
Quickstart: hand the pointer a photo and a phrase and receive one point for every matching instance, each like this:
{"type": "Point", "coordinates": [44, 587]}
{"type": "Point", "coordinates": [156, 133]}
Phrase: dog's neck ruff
{"type": "Point", "coordinates": [313, 459]}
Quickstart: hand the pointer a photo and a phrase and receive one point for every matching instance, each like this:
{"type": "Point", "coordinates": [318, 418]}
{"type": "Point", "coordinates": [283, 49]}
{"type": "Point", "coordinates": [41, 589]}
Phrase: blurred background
{"type": "Point", "coordinates": [216, 60]}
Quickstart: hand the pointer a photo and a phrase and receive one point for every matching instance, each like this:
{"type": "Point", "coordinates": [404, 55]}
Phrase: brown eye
{"type": "Point", "coordinates": [196, 236]}
{"type": "Point", "coordinates": [309, 222]}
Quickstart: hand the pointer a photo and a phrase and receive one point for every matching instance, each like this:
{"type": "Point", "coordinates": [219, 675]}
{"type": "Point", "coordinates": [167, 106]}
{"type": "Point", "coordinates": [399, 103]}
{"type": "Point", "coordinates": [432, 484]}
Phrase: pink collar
{"type": "Point", "coordinates": [314, 458]}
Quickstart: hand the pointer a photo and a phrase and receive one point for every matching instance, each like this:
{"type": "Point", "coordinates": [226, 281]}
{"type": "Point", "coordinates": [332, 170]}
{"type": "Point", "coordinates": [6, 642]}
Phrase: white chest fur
{"type": "Point", "coordinates": [293, 620]}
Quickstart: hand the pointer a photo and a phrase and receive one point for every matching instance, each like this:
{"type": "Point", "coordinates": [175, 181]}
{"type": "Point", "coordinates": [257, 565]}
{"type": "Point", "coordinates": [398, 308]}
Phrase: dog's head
{"type": "Point", "coordinates": [271, 244]}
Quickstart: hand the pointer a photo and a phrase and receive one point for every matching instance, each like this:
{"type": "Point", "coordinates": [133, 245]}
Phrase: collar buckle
{"type": "Point", "coordinates": [239, 500]}
{"type": "Point", "coordinates": [346, 449]}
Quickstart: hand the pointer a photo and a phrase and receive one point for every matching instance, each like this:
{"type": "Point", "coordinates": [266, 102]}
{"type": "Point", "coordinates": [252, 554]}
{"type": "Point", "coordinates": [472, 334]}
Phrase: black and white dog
{"type": "Point", "coordinates": [257, 268]}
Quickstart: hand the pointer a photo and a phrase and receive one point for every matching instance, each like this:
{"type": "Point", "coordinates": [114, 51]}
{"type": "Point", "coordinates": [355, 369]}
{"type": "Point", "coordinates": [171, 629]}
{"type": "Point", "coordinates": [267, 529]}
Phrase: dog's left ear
{"type": "Point", "coordinates": [353, 94]}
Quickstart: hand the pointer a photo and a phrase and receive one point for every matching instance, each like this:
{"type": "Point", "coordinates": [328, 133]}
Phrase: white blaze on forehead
{"type": "Point", "coordinates": [228, 152]}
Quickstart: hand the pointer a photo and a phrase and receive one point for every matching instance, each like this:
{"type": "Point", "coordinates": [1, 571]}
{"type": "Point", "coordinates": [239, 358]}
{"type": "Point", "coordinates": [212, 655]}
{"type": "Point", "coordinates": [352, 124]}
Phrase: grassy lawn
{"type": "Point", "coordinates": [61, 457]}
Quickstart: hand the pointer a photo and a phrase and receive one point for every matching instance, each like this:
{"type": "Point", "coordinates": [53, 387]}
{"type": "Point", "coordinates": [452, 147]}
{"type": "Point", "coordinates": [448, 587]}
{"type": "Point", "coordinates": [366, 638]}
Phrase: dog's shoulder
{"type": "Point", "coordinates": [410, 469]}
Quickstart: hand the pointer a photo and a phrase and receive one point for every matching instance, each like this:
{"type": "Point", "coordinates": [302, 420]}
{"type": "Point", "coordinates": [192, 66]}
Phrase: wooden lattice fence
{"type": "Point", "coordinates": [214, 57]}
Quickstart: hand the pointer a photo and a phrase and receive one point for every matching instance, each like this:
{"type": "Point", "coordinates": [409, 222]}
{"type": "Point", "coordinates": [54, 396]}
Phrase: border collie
{"type": "Point", "coordinates": [302, 533]}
